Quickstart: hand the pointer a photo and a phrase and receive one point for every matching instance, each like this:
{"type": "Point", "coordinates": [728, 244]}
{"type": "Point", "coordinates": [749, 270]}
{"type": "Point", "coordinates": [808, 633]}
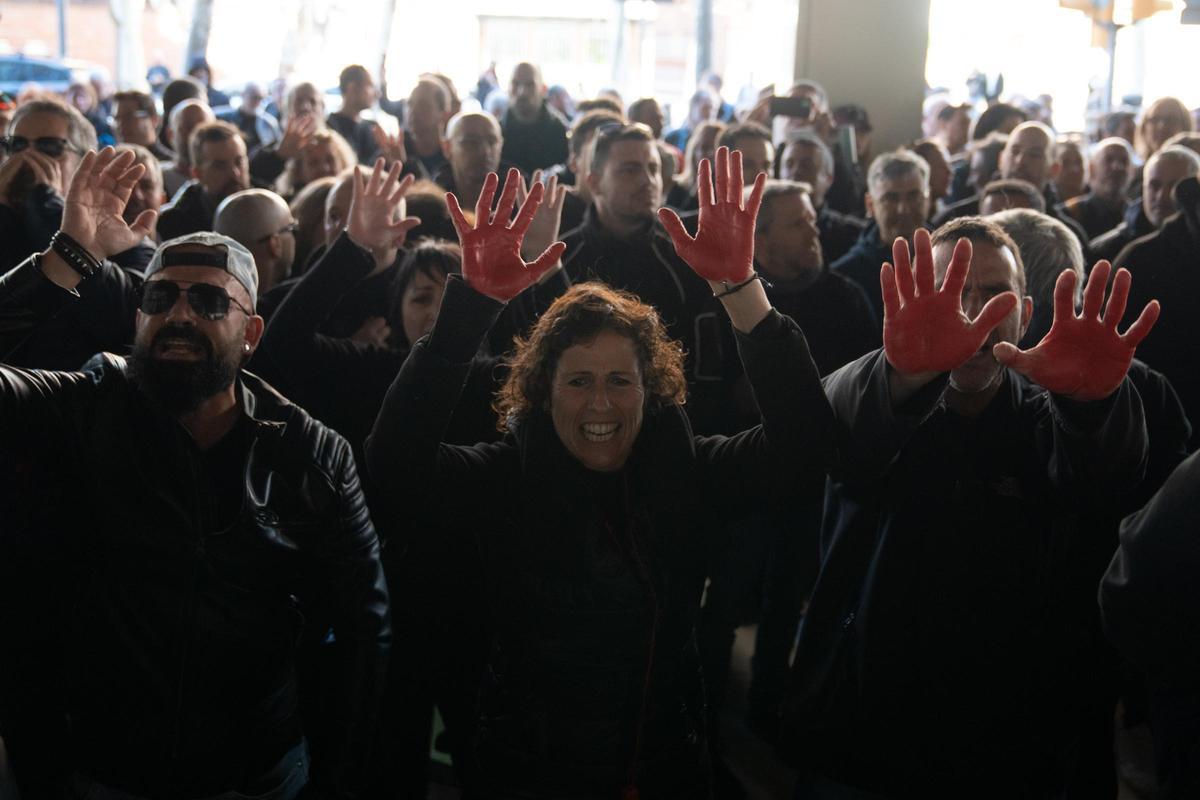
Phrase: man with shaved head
{"type": "Point", "coordinates": [1144, 216]}
{"type": "Point", "coordinates": [261, 222]}
{"type": "Point", "coordinates": [473, 146]}
{"type": "Point", "coordinates": [184, 118]}
{"type": "Point", "coordinates": [535, 135]}
{"type": "Point", "coordinates": [200, 519]}
{"type": "Point", "coordinates": [1110, 171]}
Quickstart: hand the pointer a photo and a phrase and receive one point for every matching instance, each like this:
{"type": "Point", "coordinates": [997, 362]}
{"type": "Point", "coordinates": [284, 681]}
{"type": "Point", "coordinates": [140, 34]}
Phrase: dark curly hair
{"type": "Point", "coordinates": [579, 316]}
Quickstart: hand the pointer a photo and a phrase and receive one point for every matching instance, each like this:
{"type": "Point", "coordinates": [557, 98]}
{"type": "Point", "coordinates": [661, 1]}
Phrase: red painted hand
{"type": "Point", "coordinates": [925, 331]}
{"type": "Point", "coordinates": [492, 263]}
{"type": "Point", "coordinates": [723, 248]}
{"type": "Point", "coordinates": [1083, 357]}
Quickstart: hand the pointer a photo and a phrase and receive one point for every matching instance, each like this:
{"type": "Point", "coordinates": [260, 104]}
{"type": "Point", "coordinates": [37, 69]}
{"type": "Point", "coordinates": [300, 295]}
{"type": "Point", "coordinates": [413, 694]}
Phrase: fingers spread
{"type": "Point", "coordinates": [722, 175]}
{"type": "Point", "coordinates": [959, 266]}
{"type": "Point", "coordinates": [1010, 355]}
{"type": "Point", "coordinates": [144, 224]}
{"type": "Point", "coordinates": [401, 189]}
{"type": "Point", "coordinates": [508, 198]}
{"type": "Point", "coordinates": [736, 179]}
{"type": "Point", "coordinates": [993, 314]}
{"type": "Point", "coordinates": [704, 186]}
{"type": "Point", "coordinates": [1064, 295]}
{"type": "Point", "coordinates": [1145, 321]}
{"type": "Point", "coordinates": [456, 215]}
{"type": "Point", "coordinates": [1118, 299]}
{"type": "Point", "coordinates": [528, 209]}
{"type": "Point", "coordinates": [891, 295]}
{"type": "Point", "coordinates": [756, 195]}
{"type": "Point", "coordinates": [674, 227]}
{"type": "Point", "coordinates": [904, 279]}
{"type": "Point", "coordinates": [483, 206]}
{"type": "Point", "coordinates": [547, 260]}
{"type": "Point", "coordinates": [1093, 290]}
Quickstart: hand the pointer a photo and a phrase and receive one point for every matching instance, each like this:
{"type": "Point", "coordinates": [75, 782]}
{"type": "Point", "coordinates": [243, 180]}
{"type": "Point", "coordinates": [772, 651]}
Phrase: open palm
{"type": "Point", "coordinates": [1082, 356]}
{"type": "Point", "coordinates": [376, 218]}
{"type": "Point", "coordinates": [925, 330]}
{"type": "Point", "coordinates": [723, 247]}
{"type": "Point", "coordinates": [96, 199]}
{"type": "Point", "coordinates": [492, 262]}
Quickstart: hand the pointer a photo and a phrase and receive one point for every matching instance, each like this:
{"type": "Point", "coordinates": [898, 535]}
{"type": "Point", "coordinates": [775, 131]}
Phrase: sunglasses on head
{"type": "Point", "coordinates": [208, 301]}
{"type": "Point", "coordinates": [50, 145]}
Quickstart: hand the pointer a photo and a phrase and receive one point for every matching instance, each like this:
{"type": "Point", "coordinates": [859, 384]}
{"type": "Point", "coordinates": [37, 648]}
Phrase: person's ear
{"type": "Point", "coordinates": [275, 245]}
{"type": "Point", "coordinates": [254, 331]}
{"type": "Point", "coordinates": [870, 204]}
{"type": "Point", "coordinates": [1026, 315]}
{"type": "Point", "coordinates": [593, 182]}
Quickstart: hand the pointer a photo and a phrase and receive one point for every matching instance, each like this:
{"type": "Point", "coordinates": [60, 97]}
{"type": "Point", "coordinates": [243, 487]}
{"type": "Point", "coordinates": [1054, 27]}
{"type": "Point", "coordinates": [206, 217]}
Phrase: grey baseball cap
{"type": "Point", "coordinates": [231, 257]}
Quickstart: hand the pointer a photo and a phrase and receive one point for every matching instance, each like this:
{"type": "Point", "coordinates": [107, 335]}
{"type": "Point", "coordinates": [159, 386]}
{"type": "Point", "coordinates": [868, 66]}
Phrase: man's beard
{"type": "Point", "coordinates": [179, 387]}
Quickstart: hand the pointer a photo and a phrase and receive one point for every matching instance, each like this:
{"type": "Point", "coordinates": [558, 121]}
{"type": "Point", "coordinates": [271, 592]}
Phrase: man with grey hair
{"type": "Point", "coordinates": [1001, 195]}
{"type": "Point", "coordinates": [1110, 170]}
{"type": "Point", "coordinates": [260, 221]}
{"type": "Point", "coordinates": [1144, 216]}
{"type": "Point", "coordinates": [806, 158]}
{"type": "Point", "coordinates": [1047, 248]}
{"type": "Point", "coordinates": [897, 198]}
{"type": "Point", "coordinates": [46, 139]}
{"type": "Point", "coordinates": [183, 119]}
{"type": "Point", "coordinates": [188, 604]}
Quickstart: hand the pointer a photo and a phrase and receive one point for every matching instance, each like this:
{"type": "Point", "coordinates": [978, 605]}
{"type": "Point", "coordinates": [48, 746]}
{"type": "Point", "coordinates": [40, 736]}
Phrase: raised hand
{"type": "Point", "coordinates": [97, 197]}
{"type": "Point", "coordinates": [543, 231]}
{"type": "Point", "coordinates": [296, 135]}
{"type": "Point", "coordinates": [492, 262]}
{"type": "Point", "coordinates": [722, 250]}
{"type": "Point", "coordinates": [1083, 357]}
{"type": "Point", "coordinates": [390, 147]}
{"type": "Point", "coordinates": [376, 218]}
{"type": "Point", "coordinates": [925, 331]}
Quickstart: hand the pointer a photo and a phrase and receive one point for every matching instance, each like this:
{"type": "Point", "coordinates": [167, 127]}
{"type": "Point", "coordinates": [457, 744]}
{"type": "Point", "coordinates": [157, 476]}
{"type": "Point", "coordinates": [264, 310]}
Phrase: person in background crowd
{"type": "Point", "coordinates": [324, 155]}
{"type": "Point", "coordinates": [473, 146]}
{"type": "Point", "coordinates": [1121, 124]}
{"type": "Point", "coordinates": [46, 140]}
{"type": "Point", "coordinates": [157, 78]}
{"type": "Point", "coordinates": [1161, 173]}
{"type": "Point", "coordinates": [1164, 118]}
{"type": "Point", "coordinates": [200, 70]}
{"type": "Point", "coordinates": [599, 104]}
{"type": "Point", "coordinates": [558, 98]}
{"type": "Point", "coordinates": [701, 144]}
{"type": "Point", "coordinates": [535, 135]}
{"type": "Point", "coordinates": [897, 198]}
{"type": "Point", "coordinates": [219, 167]}
{"type": "Point", "coordinates": [261, 222]}
{"type": "Point", "coordinates": [145, 195]}
{"type": "Point", "coordinates": [217, 451]}
{"type": "Point", "coordinates": [425, 116]}
{"type": "Point", "coordinates": [1188, 139]}
{"type": "Point", "coordinates": [1072, 178]}
{"type": "Point", "coordinates": [753, 141]}
{"type": "Point", "coordinates": [997, 118]}
{"type": "Point", "coordinates": [83, 97]}
{"type": "Point", "coordinates": [174, 93]}
{"type": "Point", "coordinates": [187, 115]}
{"type": "Point", "coordinates": [807, 159]}
{"type": "Point", "coordinates": [949, 124]}
{"type": "Point", "coordinates": [940, 173]}
{"type": "Point", "coordinates": [647, 111]}
{"type": "Point", "coordinates": [8, 105]}
{"type": "Point", "coordinates": [136, 117]}
{"type": "Point", "coordinates": [949, 519]}
{"type": "Point", "coordinates": [722, 109]}
{"type": "Point", "coordinates": [358, 94]}
{"type": "Point", "coordinates": [702, 108]}
{"type": "Point", "coordinates": [304, 118]}
{"type": "Point", "coordinates": [578, 166]}
{"type": "Point", "coordinates": [855, 116]}
{"type": "Point", "coordinates": [1110, 169]}
{"type": "Point", "coordinates": [308, 209]}
{"type": "Point", "coordinates": [257, 127]}
{"type": "Point", "coordinates": [1003, 194]}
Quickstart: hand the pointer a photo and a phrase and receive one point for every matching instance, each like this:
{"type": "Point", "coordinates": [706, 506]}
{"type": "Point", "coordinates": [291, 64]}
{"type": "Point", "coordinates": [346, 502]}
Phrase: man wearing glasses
{"type": "Point", "coordinates": [136, 120]}
{"type": "Point", "coordinates": [45, 141]}
{"type": "Point", "coordinates": [204, 532]}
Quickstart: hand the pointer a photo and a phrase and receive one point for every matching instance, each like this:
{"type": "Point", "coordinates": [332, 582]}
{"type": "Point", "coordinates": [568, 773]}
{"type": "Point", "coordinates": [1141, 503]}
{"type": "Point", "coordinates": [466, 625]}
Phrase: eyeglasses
{"type": "Point", "coordinates": [210, 302]}
{"type": "Point", "coordinates": [50, 145]}
{"type": "Point", "coordinates": [291, 228]}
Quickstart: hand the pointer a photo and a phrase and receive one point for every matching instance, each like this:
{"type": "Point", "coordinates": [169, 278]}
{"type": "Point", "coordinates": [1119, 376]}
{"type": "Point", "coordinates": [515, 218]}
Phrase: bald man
{"type": "Point", "coordinates": [535, 135]}
{"type": "Point", "coordinates": [473, 147]}
{"type": "Point", "coordinates": [261, 222]}
{"type": "Point", "coordinates": [184, 118]}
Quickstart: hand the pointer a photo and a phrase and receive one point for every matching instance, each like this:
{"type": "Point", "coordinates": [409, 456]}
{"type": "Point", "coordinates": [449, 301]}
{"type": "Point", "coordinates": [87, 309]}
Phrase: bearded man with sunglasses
{"type": "Point", "coordinates": [200, 531]}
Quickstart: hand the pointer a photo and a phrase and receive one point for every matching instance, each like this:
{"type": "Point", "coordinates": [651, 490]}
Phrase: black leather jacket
{"type": "Point", "coordinates": [181, 642]}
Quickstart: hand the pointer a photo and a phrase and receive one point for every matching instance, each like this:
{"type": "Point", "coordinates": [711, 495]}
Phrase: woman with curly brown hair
{"type": "Point", "coordinates": [595, 516]}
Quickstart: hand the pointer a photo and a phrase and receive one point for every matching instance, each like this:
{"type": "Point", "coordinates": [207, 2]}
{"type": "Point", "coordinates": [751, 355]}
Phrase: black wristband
{"type": "Point", "coordinates": [754, 276]}
{"type": "Point", "coordinates": [74, 254]}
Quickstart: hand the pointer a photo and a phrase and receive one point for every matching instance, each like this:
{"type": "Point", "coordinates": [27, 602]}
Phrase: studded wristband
{"type": "Point", "coordinates": [74, 254]}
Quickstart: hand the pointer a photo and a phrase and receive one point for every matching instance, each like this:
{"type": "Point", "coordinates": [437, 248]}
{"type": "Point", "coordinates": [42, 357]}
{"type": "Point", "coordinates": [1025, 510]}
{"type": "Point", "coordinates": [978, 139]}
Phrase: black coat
{"type": "Point", "coordinates": [188, 577]}
{"type": "Point", "coordinates": [535, 145]}
{"type": "Point", "coordinates": [190, 211]}
{"type": "Point", "coordinates": [594, 580]}
{"type": "Point", "coordinates": [839, 232]}
{"type": "Point", "coordinates": [1134, 226]}
{"type": "Point", "coordinates": [929, 661]}
{"type": "Point", "coordinates": [862, 265]}
{"type": "Point", "coordinates": [1097, 216]}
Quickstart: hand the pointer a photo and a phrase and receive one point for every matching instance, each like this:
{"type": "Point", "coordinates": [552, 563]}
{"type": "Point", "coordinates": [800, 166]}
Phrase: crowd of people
{"type": "Point", "coordinates": [308, 429]}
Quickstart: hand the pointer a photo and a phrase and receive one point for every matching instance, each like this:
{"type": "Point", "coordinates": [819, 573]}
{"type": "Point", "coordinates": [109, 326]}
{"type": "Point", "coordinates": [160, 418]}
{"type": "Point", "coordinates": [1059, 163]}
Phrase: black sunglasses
{"type": "Point", "coordinates": [210, 302]}
{"type": "Point", "coordinates": [50, 145]}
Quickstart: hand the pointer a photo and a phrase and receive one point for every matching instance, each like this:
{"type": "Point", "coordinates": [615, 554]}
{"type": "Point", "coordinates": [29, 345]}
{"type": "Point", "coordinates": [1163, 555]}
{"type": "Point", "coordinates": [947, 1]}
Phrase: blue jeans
{"type": "Point", "coordinates": [286, 779]}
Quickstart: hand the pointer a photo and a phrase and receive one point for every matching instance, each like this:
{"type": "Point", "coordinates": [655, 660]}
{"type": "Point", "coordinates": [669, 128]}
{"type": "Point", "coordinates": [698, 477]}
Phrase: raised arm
{"type": "Point", "coordinates": [404, 449]}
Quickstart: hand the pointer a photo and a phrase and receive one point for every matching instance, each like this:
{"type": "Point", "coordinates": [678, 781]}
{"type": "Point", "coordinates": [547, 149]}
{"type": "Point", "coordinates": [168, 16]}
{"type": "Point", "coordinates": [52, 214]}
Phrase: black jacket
{"type": "Point", "coordinates": [839, 232]}
{"type": "Point", "coordinates": [28, 228]}
{"type": "Point", "coordinates": [1135, 225]}
{"type": "Point", "coordinates": [194, 577]}
{"type": "Point", "coordinates": [1166, 267]}
{"type": "Point", "coordinates": [970, 207]}
{"type": "Point", "coordinates": [862, 265]}
{"type": "Point", "coordinates": [930, 662]}
{"type": "Point", "coordinates": [360, 133]}
{"type": "Point", "coordinates": [594, 579]}
{"type": "Point", "coordinates": [1097, 216]}
{"type": "Point", "coordinates": [534, 145]}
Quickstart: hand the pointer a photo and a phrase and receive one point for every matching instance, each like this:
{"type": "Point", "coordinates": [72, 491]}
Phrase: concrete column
{"type": "Point", "coordinates": [870, 52]}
